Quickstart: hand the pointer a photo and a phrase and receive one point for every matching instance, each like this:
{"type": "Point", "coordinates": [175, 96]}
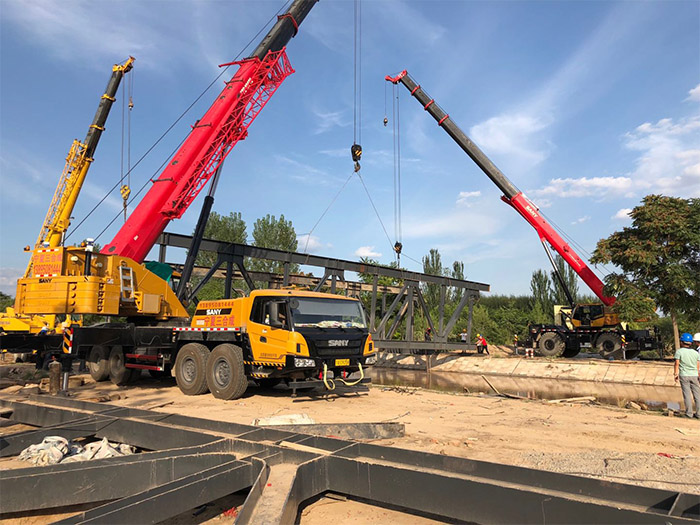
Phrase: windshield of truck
{"type": "Point", "coordinates": [327, 313]}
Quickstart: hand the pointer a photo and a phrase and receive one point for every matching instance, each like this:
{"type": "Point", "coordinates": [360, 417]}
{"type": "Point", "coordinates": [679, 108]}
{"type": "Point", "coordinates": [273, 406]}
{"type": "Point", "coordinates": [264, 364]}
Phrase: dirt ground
{"type": "Point", "coordinates": [621, 445]}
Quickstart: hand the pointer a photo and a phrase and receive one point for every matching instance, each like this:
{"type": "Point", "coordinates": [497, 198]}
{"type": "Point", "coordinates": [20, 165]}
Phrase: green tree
{"type": "Point", "coordinates": [542, 296]}
{"type": "Point", "coordinates": [457, 273]}
{"type": "Point", "coordinates": [5, 301]}
{"type": "Point", "coordinates": [278, 234]}
{"type": "Point", "coordinates": [227, 228]}
{"type": "Point", "coordinates": [432, 265]}
{"type": "Point", "coordinates": [658, 257]}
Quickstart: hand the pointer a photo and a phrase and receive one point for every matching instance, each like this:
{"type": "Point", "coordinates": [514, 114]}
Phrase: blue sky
{"type": "Point", "coordinates": [585, 106]}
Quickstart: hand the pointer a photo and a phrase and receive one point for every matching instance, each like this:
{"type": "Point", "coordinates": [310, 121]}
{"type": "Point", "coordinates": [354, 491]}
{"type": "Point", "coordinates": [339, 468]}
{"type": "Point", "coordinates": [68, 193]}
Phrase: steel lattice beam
{"type": "Point", "coordinates": [193, 461]}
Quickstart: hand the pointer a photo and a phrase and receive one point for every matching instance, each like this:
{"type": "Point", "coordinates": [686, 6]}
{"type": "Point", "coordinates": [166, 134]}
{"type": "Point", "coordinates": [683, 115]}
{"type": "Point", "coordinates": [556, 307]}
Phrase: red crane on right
{"type": "Point", "coordinates": [576, 325]}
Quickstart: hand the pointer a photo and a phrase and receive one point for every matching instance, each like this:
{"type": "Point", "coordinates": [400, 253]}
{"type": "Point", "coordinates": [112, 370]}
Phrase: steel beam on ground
{"type": "Point", "coordinates": [206, 460]}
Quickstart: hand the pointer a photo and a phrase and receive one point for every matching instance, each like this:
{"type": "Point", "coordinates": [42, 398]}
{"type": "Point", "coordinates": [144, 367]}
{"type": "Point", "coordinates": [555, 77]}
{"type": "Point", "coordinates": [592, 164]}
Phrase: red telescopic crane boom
{"type": "Point", "coordinates": [211, 139]}
{"type": "Point", "coordinates": [511, 194]}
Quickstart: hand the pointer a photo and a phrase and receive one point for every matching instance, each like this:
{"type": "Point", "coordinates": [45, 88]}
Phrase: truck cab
{"type": "Point", "coordinates": [293, 335]}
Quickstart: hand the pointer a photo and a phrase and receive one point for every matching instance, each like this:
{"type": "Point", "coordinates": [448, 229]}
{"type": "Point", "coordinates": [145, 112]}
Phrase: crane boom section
{"type": "Point", "coordinates": [77, 164]}
{"type": "Point", "coordinates": [511, 194]}
{"type": "Point", "coordinates": [211, 139]}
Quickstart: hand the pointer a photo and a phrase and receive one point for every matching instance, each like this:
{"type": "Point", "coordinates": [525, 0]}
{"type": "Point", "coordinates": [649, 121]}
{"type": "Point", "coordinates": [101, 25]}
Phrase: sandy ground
{"type": "Point", "coordinates": [622, 445]}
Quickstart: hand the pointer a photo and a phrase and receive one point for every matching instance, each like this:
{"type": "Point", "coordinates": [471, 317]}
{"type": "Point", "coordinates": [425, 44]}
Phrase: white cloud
{"type": "Point", "coordinates": [309, 243]}
{"type": "Point", "coordinates": [466, 196]}
{"type": "Point", "coordinates": [8, 280]}
{"type": "Point", "coordinates": [516, 136]}
{"type": "Point", "coordinates": [588, 187]}
{"type": "Point", "coordinates": [367, 251]}
{"type": "Point", "coordinates": [459, 222]}
{"type": "Point", "coordinates": [327, 120]}
{"type": "Point", "coordinates": [302, 172]}
{"type": "Point", "coordinates": [520, 134]}
{"type": "Point", "coordinates": [581, 220]}
{"type": "Point", "coordinates": [62, 27]}
{"type": "Point", "coordinates": [622, 214]}
{"type": "Point", "coordinates": [694, 94]}
{"type": "Point", "coordinates": [669, 160]}
{"type": "Point", "coordinates": [97, 193]}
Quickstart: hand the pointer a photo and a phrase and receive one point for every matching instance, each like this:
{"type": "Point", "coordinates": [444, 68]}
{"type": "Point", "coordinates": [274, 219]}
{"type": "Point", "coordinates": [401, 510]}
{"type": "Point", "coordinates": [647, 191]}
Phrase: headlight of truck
{"type": "Point", "coordinates": [372, 359]}
{"type": "Point", "coordinates": [300, 362]}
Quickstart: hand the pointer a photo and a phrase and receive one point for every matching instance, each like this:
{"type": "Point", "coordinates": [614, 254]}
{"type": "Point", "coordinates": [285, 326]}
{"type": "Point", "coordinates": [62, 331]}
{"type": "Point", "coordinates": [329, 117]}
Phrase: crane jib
{"type": "Point", "coordinates": [512, 195]}
{"type": "Point", "coordinates": [212, 138]}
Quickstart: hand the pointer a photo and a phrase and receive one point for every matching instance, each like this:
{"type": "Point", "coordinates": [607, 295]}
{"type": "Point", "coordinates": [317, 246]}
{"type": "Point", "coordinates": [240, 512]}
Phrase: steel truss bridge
{"type": "Point", "coordinates": [407, 298]}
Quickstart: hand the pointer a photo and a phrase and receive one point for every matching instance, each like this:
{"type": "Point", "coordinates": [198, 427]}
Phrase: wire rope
{"type": "Point", "coordinates": [375, 208]}
{"type": "Point", "coordinates": [308, 238]}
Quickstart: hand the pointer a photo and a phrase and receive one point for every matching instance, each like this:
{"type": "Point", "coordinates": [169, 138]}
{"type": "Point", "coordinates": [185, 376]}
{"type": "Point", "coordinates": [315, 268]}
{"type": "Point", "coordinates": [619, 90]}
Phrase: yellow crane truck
{"type": "Point", "coordinates": [303, 338]}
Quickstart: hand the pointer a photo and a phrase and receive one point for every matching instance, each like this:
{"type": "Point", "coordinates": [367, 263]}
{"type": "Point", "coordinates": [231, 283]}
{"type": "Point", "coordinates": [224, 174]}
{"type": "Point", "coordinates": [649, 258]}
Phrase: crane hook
{"type": "Point", "coordinates": [386, 121]}
{"type": "Point", "coordinates": [356, 152]}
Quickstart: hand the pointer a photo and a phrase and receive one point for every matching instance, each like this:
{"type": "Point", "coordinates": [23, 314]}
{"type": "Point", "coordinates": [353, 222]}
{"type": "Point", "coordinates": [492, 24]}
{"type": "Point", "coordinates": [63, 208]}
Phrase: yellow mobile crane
{"type": "Point", "coordinates": [58, 216]}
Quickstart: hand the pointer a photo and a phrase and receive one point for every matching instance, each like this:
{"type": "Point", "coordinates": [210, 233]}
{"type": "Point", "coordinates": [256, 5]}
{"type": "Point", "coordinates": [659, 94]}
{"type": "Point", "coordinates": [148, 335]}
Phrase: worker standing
{"type": "Point", "coordinates": [696, 340]}
{"type": "Point", "coordinates": [463, 336]}
{"type": "Point", "coordinates": [685, 370]}
{"type": "Point", "coordinates": [515, 343]}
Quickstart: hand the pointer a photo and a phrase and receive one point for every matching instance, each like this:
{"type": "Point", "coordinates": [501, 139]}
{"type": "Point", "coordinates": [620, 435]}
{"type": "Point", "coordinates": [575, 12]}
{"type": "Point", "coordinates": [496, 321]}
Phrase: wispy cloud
{"type": "Point", "coordinates": [515, 135]}
{"type": "Point", "coordinates": [367, 251]}
{"type": "Point", "coordinates": [8, 280]}
{"type": "Point", "coordinates": [328, 120]}
{"type": "Point", "coordinates": [451, 223]}
{"type": "Point", "coordinates": [20, 177]}
{"type": "Point", "coordinates": [467, 197]}
{"type": "Point", "coordinates": [622, 214]}
{"type": "Point", "coordinates": [63, 27]}
{"type": "Point", "coordinates": [303, 172]}
{"type": "Point", "coordinates": [668, 162]}
{"type": "Point", "coordinates": [310, 243]}
{"type": "Point", "coordinates": [521, 134]}
{"type": "Point", "coordinates": [581, 220]}
{"type": "Point", "coordinates": [694, 94]}
{"type": "Point", "coordinates": [587, 187]}
{"type": "Point", "coordinates": [669, 159]}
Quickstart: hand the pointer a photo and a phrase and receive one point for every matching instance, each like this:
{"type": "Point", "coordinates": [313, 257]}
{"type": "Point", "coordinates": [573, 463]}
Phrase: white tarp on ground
{"type": "Point", "coordinates": [56, 449]}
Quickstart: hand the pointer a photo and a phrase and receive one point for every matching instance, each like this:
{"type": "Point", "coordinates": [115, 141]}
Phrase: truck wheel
{"type": "Point", "coordinates": [190, 369]}
{"type": "Point", "coordinates": [609, 344]}
{"type": "Point", "coordinates": [118, 373]}
{"type": "Point", "coordinates": [98, 363]}
{"type": "Point", "coordinates": [571, 352]}
{"type": "Point", "coordinates": [551, 345]}
{"type": "Point", "coordinates": [226, 373]}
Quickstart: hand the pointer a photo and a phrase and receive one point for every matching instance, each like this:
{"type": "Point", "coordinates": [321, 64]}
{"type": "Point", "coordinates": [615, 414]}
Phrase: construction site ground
{"type": "Point", "coordinates": [627, 445]}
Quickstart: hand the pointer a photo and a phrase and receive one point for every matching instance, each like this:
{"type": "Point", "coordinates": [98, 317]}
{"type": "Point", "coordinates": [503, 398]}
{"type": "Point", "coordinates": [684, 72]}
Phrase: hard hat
{"type": "Point", "coordinates": [478, 335]}
{"type": "Point", "coordinates": [686, 337]}
{"type": "Point", "coordinates": [696, 337]}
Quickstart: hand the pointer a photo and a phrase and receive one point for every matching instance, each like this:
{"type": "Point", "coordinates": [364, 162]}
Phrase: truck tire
{"type": "Point", "coordinates": [98, 363]}
{"type": "Point", "coordinates": [572, 352]}
{"type": "Point", "coordinates": [551, 344]}
{"type": "Point", "coordinates": [226, 372]}
{"type": "Point", "coordinates": [190, 369]}
{"type": "Point", "coordinates": [118, 373]}
{"type": "Point", "coordinates": [609, 344]}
